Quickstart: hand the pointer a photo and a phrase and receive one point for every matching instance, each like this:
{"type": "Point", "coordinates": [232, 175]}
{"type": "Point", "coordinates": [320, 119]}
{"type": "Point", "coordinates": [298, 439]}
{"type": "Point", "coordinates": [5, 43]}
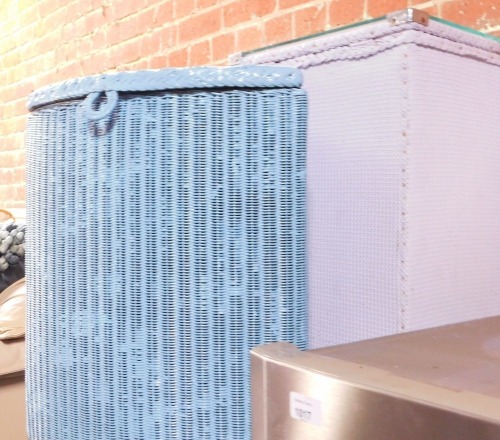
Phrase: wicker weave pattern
{"type": "Point", "coordinates": [169, 79]}
{"type": "Point", "coordinates": [403, 182]}
{"type": "Point", "coordinates": [349, 45]}
{"type": "Point", "coordinates": [164, 243]}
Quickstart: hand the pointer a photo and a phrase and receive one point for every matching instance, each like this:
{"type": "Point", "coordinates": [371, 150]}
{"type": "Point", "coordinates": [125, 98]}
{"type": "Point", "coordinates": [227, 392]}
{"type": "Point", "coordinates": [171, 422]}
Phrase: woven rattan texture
{"type": "Point", "coordinates": [165, 242]}
{"type": "Point", "coordinates": [169, 79]}
{"type": "Point", "coordinates": [403, 182]}
{"type": "Point", "coordinates": [350, 44]}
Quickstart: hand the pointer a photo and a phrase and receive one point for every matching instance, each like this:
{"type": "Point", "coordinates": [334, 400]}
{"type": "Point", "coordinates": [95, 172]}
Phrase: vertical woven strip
{"type": "Point", "coordinates": [164, 243]}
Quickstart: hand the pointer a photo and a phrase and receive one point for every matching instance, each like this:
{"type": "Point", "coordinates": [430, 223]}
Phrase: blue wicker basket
{"type": "Point", "coordinates": [166, 219]}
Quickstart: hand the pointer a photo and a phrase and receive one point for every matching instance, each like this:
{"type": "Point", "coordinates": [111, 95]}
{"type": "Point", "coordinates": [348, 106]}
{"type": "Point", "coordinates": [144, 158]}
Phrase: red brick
{"type": "Point", "coordinates": [178, 58]}
{"type": "Point", "coordinates": [119, 9]}
{"type": "Point", "coordinates": [40, 28]}
{"type": "Point", "coordinates": [8, 177]}
{"type": "Point", "coordinates": [66, 14]}
{"type": "Point", "coordinates": [200, 25]}
{"type": "Point", "coordinates": [11, 58]}
{"type": "Point", "coordinates": [14, 109]}
{"type": "Point", "coordinates": [9, 76]}
{"type": "Point", "coordinates": [14, 125]}
{"type": "Point", "coordinates": [26, 68]}
{"type": "Point", "coordinates": [146, 19]}
{"type": "Point", "coordinates": [11, 178]}
{"type": "Point", "coordinates": [29, 50]}
{"type": "Point", "coordinates": [102, 62]}
{"type": "Point", "coordinates": [140, 64]}
{"type": "Point", "coordinates": [4, 141]}
{"type": "Point", "coordinates": [128, 29]}
{"type": "Point", "coordinates": [6, 158]}
{"type": "Point", "coordinates": [96, 4]}
{"type": "Point", "coordinates": [151, 43]}
{"type": "Point", "coordinates": [310, 20]}
{"type": "Point", "coordinates": [158, 62]}
{"type": "Point", "coordinates": [24, 17]}
{"type": "Point", "coordinates": [223, 46]}
{"type": "Point", "coordinates": [431, 9]}
{"type": "Point", "coordinates": [126, 52]}
{"type": "Point", "coordinates": [17, 90]}
{"type": "Point", "coordinates": [66, 71]}
{"type": "Point", "coordinates": [59, 18]}
{"type": "Point", "coordinates": [95, 20]}
{"type": "Point", "coordinates": [240, 11]}
{"type": "Point", "coordinates": [113, 34]}
{"type": "Point", "coordinates": [135, 25]}
{"type": "Point", "coordinates": [5, 194]}
{"type": "Point", "coordinates": [78, 9]}
{"type": "Point", "coordinates": [62, 53]}
{"type": "Point", "coordinates": [20, 193]}
{"type": "Point", "coordinates": [25, 34]}
{"type": "Point", "coordinates": [83, 7]}
{"type": "Point", "coordinates": [68, 32]}
{"type": "Point", "coordinates": [48, 61]}
{"type": "Point", "coordinates": [203, 4]}
{"type": "Point", "coordinates": [19, 175]}
{"type": "Point", "coordinates": [9, 26]}
{"type": "Point", "coordinates": [44, 78]}
{"type": "Point", "coordinates": [48, 42]}
{"type": "Point", "coordinates": [88, 66]}
{"type": "Point", "coordinates": [378, 8]}
{"type": "Point", "coordinates": [284, 4]}
{"type": "Point", "coordinates": [164, 13]}
{"type": "Point", "coordinates": [278, 29]}
{"type": "Point", "coordinates": [74, 50]}
{"type": "Point", "coordinates": [199, 54]}
{"type": "Point", "coordinates": [99, 39]}
{"type": "Point", "coordinates": [343, 12]}
{"type": "Point", "coordinates": [183, 8]}
{"type": "Point", "coordinates": [167, 37]}
{"type": "Point", "coordinates": [44, 7]}
{"type": "Point", "coordinates": [249, 38]}
{"type": "Point", "coordinates": [478, 14]}
{"type": "Point", "coordinates": [83, 46]}
{"type": "Point", "coordinates": [10, 18]}
{"type": "Point", "coordinates": [19, 154]}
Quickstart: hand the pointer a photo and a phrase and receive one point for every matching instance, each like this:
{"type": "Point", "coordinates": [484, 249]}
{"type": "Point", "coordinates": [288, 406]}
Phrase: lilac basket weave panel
{"type": "Point", "coordinates": [354, 203]}
{"type": "Point", "coordinates": [403, 182]}
{"type": "Point", "coordinates": [454, 203]}
{"type": "Point", "coordinates": [165, 242]}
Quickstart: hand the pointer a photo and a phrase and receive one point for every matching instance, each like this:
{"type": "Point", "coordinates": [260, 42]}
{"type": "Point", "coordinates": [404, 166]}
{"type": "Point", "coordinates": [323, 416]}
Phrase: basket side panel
{"type": "Point", "coordinates": [454, 189]}
{"type": "Point", "coordinates": [168, 240]}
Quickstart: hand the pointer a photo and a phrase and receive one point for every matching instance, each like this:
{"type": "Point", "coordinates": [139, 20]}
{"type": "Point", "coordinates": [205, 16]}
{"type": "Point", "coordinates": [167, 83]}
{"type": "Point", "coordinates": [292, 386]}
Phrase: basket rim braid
{"type": "Point", "coordinates": [168, 79]}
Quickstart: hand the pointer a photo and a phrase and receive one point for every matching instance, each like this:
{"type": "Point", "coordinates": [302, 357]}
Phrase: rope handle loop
{"type": "Point", "coordinates": [105, 109]}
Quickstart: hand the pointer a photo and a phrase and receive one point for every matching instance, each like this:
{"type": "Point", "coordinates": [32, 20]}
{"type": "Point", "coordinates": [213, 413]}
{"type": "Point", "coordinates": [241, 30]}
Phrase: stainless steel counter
{"type": "Point", "coordinates": [436, 384]}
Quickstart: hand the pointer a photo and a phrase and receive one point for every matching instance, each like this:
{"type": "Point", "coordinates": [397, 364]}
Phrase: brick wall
{"type": "Point", "coordinates": [44, 41]}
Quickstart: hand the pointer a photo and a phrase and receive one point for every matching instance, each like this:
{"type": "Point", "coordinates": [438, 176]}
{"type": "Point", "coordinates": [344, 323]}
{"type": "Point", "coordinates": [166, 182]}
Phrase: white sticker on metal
{"type": "Point", "coordinates": [305, 408]}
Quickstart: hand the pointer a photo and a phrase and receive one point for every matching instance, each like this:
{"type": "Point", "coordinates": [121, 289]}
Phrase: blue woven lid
{"type": "Point", "coordinates": [169, 79]}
